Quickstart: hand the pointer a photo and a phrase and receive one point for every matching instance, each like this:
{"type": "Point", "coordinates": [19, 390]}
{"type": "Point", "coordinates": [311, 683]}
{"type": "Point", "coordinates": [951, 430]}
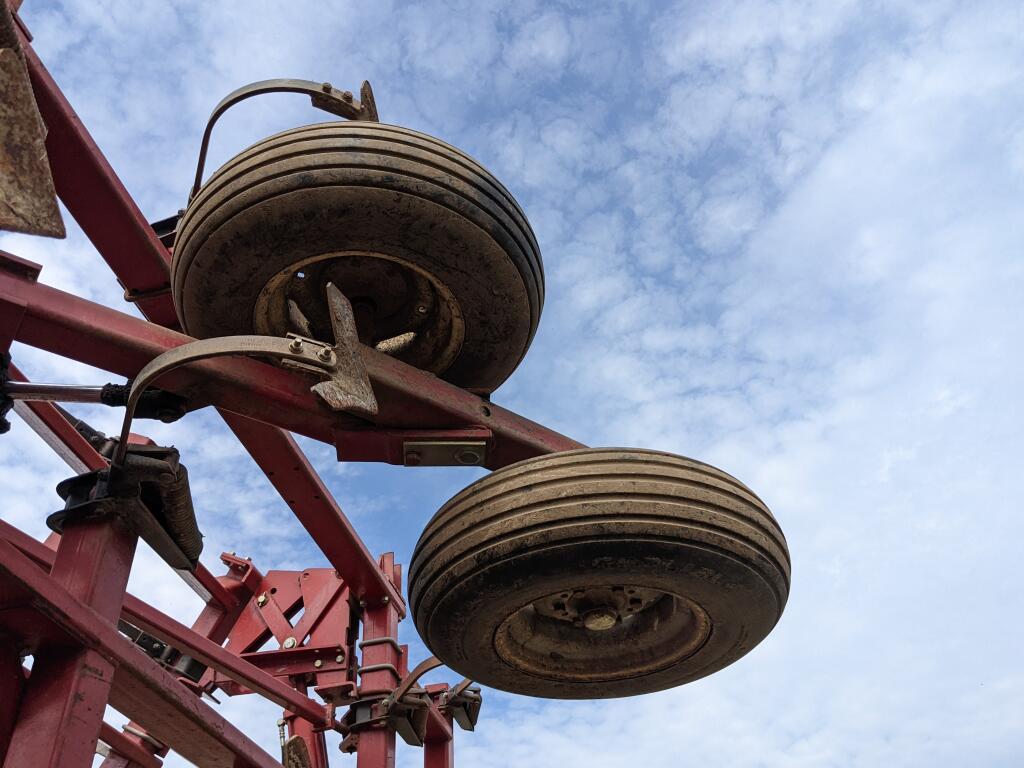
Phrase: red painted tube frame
{"type": "Point", "coordinates": [91, 333]}
{"type": "Point", "coordinates": [151, 620]}
{"type": "Point", "coordinates": [142, 689]}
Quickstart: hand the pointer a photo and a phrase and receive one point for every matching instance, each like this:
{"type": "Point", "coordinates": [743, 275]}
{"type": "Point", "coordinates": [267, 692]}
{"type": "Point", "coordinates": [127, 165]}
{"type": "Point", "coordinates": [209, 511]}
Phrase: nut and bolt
{"type": "Point", "coordinates": [324, 353]}
{"type": "Point", "coordinates": [347, 95]}
{"type": "Point", "coordinates": [318, 663]}
{"type": "Point", "coordinates": [289, 642]}
{"type": "Point", "coordinates": [295, 346]}
{"type": "Point", "coordinates": [262, 600]}
{"type": "Point", "coordinates": [339, 658]}
{"type": "Point", "coordinates": [385, 599]}
{"type": "Point", "coordinates": [421, 310]}
{"type": "Point", "coordinates": [467, 456]}
{"type": "Point", "coordinates": [326, 87]}
{"type": "Point", "coordinates": [600, 619]}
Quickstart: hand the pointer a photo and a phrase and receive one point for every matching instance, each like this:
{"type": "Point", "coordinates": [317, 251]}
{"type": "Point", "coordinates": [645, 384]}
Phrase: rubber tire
{"type": "Point", "coordinates": [620, 515]}
{"type": "Point", "coordinates": [362, 186]}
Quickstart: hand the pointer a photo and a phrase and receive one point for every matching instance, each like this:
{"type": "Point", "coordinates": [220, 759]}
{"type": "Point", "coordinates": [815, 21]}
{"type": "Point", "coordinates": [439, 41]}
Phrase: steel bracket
{"type": "Point", "coordinates": [148, 492]}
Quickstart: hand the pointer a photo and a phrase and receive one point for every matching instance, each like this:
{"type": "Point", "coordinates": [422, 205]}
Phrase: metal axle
{"type": "Point", "coordinates": [52, 393]}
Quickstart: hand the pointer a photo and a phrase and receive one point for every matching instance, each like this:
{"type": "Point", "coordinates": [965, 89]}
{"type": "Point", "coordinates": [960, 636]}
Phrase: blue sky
{"type": "Point", "coordinates": [782, 237]}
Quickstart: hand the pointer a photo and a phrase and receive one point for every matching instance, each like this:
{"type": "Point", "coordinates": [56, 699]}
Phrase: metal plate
{"type": "Point", "coordinates": [462, 453]}
{"type": "Point", "coordinates": [28, 202]}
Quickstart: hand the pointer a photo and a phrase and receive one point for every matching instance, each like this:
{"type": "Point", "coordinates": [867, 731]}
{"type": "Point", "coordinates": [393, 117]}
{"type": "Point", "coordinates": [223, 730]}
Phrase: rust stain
{"type": "Point", "coordinates": [28, 202]}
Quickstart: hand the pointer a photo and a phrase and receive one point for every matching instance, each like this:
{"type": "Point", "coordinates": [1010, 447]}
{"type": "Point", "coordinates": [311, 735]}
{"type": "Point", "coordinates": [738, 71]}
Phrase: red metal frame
{"type": "Point", "coordinates": [61, 600]}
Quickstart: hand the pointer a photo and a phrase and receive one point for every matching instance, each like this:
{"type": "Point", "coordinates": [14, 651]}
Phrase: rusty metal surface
{"type": "Point", "coordinates": [28, 201]}
{"type": "Point", "coordinates": [343, 395]}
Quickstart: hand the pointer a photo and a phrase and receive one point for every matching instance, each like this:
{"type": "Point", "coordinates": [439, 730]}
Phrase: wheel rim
{"type": "Point", "coordinates": [400, 309]}
{"type": "Point", "coordinates": [601, 633]}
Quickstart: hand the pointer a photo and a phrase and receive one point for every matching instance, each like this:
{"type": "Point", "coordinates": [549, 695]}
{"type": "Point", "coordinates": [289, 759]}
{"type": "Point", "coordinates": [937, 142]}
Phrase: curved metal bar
{"type": "Point", "coordinates": [308, 353]}
{"type": "Point", "coordinates": [322, 95]}
{"type": "Point", "coordinates": [458, 689]}
{"type": "Point", "coordinates": [421, 669]}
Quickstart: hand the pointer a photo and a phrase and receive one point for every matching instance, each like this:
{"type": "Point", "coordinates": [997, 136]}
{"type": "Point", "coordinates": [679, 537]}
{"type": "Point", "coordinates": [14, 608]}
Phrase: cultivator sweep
{"type": "Point", "coordinates": [367, 286]}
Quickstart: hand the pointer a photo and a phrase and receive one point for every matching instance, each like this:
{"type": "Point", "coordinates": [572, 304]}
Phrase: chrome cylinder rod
{"type": "Point", "coordinates": [58, 393]}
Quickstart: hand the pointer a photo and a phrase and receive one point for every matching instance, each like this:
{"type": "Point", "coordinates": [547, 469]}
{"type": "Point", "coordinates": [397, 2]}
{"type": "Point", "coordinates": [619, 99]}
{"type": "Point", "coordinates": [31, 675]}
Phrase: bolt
{"type": "Point", "coordinates": [467, 456]}
{"type": "Point", "coordinates": [318, 663]}
{"type": "Point", "coordinates": [362, 603]}
{"type": "Point", "coordinates": [262, 600]}
{"type": "Point", "coordinates": [326, 87]}
{"type": "Point", "coordinates": [295, 346]}
{"type": "Point", "coordinates": [324, 353]}
{"type": "Point", "coordinates": [280, 722]}
{"type": "Point", "coordinates": [289, 642]}
{"type": "Point", "coordinates": [347, 95]}
{"type": "Point", "coordinates": [385, 599]}
{"type": "Point", "coordinates": [339, 658]}
{"type": "Point", "coordinates": [600, 619]}
{"type": "Point", "coordinates": [421, 310]}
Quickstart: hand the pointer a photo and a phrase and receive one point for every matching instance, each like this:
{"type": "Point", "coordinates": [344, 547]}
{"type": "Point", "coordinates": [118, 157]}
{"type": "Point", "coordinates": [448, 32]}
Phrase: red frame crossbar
{"type": "Point", "coordinates": [61, 600]}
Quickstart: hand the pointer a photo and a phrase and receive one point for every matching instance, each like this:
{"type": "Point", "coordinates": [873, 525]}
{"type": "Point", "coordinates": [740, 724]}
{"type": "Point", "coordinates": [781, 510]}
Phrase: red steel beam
{"type": "Point", "coordinates": [376, 746]}
{"type": "Point", "coordinates": [62, 706]}
{"type": "Point", "coordinates": [12, 682]}
{"type": "Point", "coordinates": [135, 756]}
{"type": "Point", "coordinates": [98, 200]}
{"type": "Point", "coordinates": [222, 660]}
{"type": "Point", "coordinates": [142, 615]}
{"type": "Point", "coordinates": [141, 689]}
{"type": "Point", "coordinates": [79, 329]}
{"type": "Point", "coordinates": [316, 509]}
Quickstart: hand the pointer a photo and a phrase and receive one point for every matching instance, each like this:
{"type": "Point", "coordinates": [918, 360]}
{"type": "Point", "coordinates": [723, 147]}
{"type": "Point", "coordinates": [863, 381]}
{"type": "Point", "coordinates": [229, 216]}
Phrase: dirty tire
{"type": "Point", "coordinates": [598, 573]}
{"type": "Point", "coordinates": [382, 211]}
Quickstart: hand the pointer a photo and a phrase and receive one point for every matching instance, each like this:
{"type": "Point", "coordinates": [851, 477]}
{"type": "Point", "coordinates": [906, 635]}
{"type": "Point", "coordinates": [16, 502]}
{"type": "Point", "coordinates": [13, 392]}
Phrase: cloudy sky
{"type": "Point", "coordinates": [781, 237]}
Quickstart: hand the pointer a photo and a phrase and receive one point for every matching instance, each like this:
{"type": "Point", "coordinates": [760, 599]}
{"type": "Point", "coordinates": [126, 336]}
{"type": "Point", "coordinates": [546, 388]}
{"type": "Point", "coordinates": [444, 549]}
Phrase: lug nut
{"type": "Point", "coordinates": [600, 619]}
{"type": "Point", "coordinates": [467, 456]}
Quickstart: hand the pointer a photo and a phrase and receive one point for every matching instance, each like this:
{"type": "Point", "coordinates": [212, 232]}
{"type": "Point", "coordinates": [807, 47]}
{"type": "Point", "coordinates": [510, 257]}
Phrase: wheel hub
{"type": "Point", "coordinates": [399, 309]}
{"type": "Point", "coordinates": [602, 632]}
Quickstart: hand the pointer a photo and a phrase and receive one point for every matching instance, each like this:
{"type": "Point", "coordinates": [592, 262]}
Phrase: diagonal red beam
{"type": "Point", "coordinates": [98, 200]}
{"type": "Point", "coordinates": [149, 619]}
{"type": "Point", "coordinates": [74, 327]}
{"type": "Point", "coordinates": [127, 748]}
{"type": "Point", "coordinates": [142, 689]}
